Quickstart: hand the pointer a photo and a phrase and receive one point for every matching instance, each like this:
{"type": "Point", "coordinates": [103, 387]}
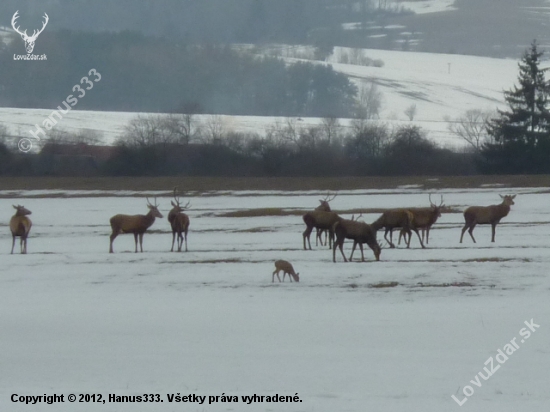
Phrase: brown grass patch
{"type": "Point", "coordinates": [444, 285]}
{"type": "Point", "coordinates": [266, 211]}
{"type": "Point", "coordinates": [208, 184]}
{"type": "Point", "coordinates": [383, 285]}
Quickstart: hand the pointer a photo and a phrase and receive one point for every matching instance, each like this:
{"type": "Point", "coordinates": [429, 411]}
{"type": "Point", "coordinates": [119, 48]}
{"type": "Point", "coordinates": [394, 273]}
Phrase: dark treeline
{"type": "Point", "coordinates": [160, 146]}
{"type": "Point", "coordinates": [150, 74]}
{"type": "Point", "coordinates": [210, 21]}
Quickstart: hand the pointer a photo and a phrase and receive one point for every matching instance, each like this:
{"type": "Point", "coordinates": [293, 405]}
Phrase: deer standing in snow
{"type": "Point", "coordinates": [360, 233]}
{"type": "Point", "coordinates": [325, 207]}
{"type": "Point", "coordinates": [179, 222]}
{"type": "Point", "coordinates": [395, 218]}
{"type": "Point", "coordinates": [424, 218]}
{"type": "Point", "coordinates": [136, 224]}
{"type": "Point", "coordinates": [484, 215]}
{"type": "Point", "coordinates": [320, 220]}
{"type": "Point", "coordinates": [20, 225]}
{"type": "Point", "coordinates": [286, 267]}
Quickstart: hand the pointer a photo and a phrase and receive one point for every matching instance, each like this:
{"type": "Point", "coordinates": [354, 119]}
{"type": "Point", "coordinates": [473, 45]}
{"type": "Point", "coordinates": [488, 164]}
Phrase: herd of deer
{"type": "Point", "coordinates": [323, 219]}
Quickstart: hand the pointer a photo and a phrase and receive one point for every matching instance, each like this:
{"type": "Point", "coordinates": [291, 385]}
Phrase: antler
{"type": "Point", "coordinates": [328, 198]}
{"type": "Point", "coordinates": [37, 32]}
{"type": "Point", "coordinates": [149, 203]}
{"type": "Point", "coordinates": [13, 23]}
{"type": "Point", "coordinates": [433, 204]}
{"type": "Point", "coordinates": [177, 199]}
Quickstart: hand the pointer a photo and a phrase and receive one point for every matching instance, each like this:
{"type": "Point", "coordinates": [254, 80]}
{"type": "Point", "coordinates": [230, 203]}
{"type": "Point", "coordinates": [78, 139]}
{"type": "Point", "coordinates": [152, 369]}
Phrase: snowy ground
{"type": "Point", "coordinates": [76, 319]}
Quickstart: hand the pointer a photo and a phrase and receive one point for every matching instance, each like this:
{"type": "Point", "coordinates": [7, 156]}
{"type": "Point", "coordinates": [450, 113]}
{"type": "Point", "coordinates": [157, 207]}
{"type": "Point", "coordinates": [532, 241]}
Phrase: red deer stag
{"type": "Point", "coordinates": [325, 207]}
{"type": "Point", "coordinates": [286, 267]}
{"type": "Point", "coordinates": [395, 218]}
{"type": "Point", "coordinates": [424, 218]}
{"type": "Point", "coordinates": [360, 233]}
{"type": "Point", "coordinates": [484, 215]}
{"type": "Point", "coordinates": [319, 220]}
{"type": "Point", "coordinates": [136, 224]}
{"type": "Point", "coordinates": [20, 225]}
{"type": "Point", "coordinates": [179, 222]}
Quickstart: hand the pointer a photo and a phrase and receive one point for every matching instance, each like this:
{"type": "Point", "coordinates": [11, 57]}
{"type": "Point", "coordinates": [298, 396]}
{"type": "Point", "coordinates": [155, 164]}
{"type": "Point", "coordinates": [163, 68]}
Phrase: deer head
{"type": "Point", "coordinates": [508, 200]}
{"type": "Point", "coordinates": [154, 208]}
{"type": "Point", "coordinates": [21, 210]}
{"type": "Point", "coordinates": [325, 203]}
{"type": "Point", "coordinates": [176, 202]}
{"type": "Point", "coordinates": [437, 208]}
{"type": "Point", "coordinates": [29, 40]}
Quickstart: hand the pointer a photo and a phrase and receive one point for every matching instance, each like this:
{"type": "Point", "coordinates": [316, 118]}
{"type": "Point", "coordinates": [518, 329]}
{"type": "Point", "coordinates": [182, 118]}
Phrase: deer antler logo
{"type": "Point", "coordinates": [29, 40]}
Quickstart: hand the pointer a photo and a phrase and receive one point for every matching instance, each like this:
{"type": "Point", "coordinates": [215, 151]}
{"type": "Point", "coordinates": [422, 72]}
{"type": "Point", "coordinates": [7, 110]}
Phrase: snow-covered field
{"type": "Point", "coordinates": [76, 319]}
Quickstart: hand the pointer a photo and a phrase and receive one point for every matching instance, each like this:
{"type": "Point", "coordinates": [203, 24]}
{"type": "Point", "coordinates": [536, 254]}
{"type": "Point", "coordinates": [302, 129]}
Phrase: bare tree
{"type": "Point", "coordinates": [410, 112]}
{"type": "Point", "coordinates": [183, 128]}
{"type": "Point", "coordinates": [214, 129]}
{"type": "Point", "coordinates": [330, 127]}
{"type": "Point", "coordinates": [472, 128]}
{"type": "Point", "coordinates": [370, 101]}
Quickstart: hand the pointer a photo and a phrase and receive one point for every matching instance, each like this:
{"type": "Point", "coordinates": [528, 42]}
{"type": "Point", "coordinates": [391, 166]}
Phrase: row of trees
{"type": "Point", "coordinates": [181, 145]}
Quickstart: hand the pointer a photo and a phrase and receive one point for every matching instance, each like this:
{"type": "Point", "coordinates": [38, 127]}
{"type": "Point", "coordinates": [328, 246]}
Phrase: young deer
{"type": "Point", "coordinates": [484, 215]}
{"type": "Point", "coordinates": [136, 224]}
{"type": "Point", "coordinates": [179, 222]}
{"type": "Point", "coordinates": [395, 218]}
{"type": "Point", "coordinates": [360, 233]}
{"type": "Point", "coordinates": [424, 218]}
{"type": "Point", "coordinates": [20, 225]}
{"type": "Point", "coordinates": [319, 220]}
{"type": "Point", "coordinates": [325, 207]}
{"type": "Point", "coordinates": [286, 267]}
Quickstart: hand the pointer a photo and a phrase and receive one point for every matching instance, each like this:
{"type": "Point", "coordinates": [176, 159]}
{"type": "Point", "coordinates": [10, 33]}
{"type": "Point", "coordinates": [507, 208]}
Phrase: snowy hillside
{"type": "Point", "coordinates": [440, 85]}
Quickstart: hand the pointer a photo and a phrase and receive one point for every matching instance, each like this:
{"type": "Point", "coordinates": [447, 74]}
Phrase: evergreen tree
{"type": "Point", "coordinates": [521, 134]}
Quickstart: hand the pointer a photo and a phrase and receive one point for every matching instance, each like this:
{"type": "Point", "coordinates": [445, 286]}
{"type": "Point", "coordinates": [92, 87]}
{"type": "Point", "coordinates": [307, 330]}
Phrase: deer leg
{"type": "Point", "coordinates": [463, 230]}
{"type": "Point", "coordinates": [12, 244]}
{"type": "Point", "coordinates": [306, 235]}
{"type": "Point", "coordinates": [352, 250]}
{"type": "Point", "coordinates": [338, 243]}
{"type": "Point", "coordinates": [471, 232]}
{"type": "Point", "coordinates": [427, 230]}
{"type": "Point", "coordinates": [387, 240]}
{"type": "Point", "coordinates": [24, 244]}
{"type": "Point", "coordinates": [186, 240]}
{"type": "Point", "coordinates": [136, 241]}
{"type": "Point", "coordinates": [493, 227]}
{"type": "Point", "coordinates": [173, 238]}
{"type": "Point", "coordinates": [112, 238]}
{"type": "Point", "coordinates": [419, 239]}
{"type": "Point", "coordinates": [362, 255]}
{"type": "Point", "coordinates": [318, 238]}
{"type": "Point", "coordinates": [141, 242]}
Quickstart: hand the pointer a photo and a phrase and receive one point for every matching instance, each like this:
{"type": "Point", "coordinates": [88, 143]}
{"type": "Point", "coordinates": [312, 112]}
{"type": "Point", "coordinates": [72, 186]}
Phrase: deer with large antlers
{"type": "Point", "coordinates": [29, 40]}
{"type": "Point", "coordinates": [360, 233]}
{"type": "Point", "coordinates": [325, 207]}
{"type": "Point", "coordinates": [20, 225]}
{"type": "Point", "coordinates": [396, 218]}
{"type": "Point", "coordinates": [485, 215]}
{"type": "Point", "coordinates": [136, 224]}
{"type": "Point", "coordinates": [424, 218]}
{"type": "Point", "coordinates": [179, 222]}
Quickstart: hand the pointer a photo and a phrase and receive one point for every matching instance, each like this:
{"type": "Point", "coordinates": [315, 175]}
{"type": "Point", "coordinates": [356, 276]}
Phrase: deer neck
{"type": "Point", "coordinates": [149, 218]}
